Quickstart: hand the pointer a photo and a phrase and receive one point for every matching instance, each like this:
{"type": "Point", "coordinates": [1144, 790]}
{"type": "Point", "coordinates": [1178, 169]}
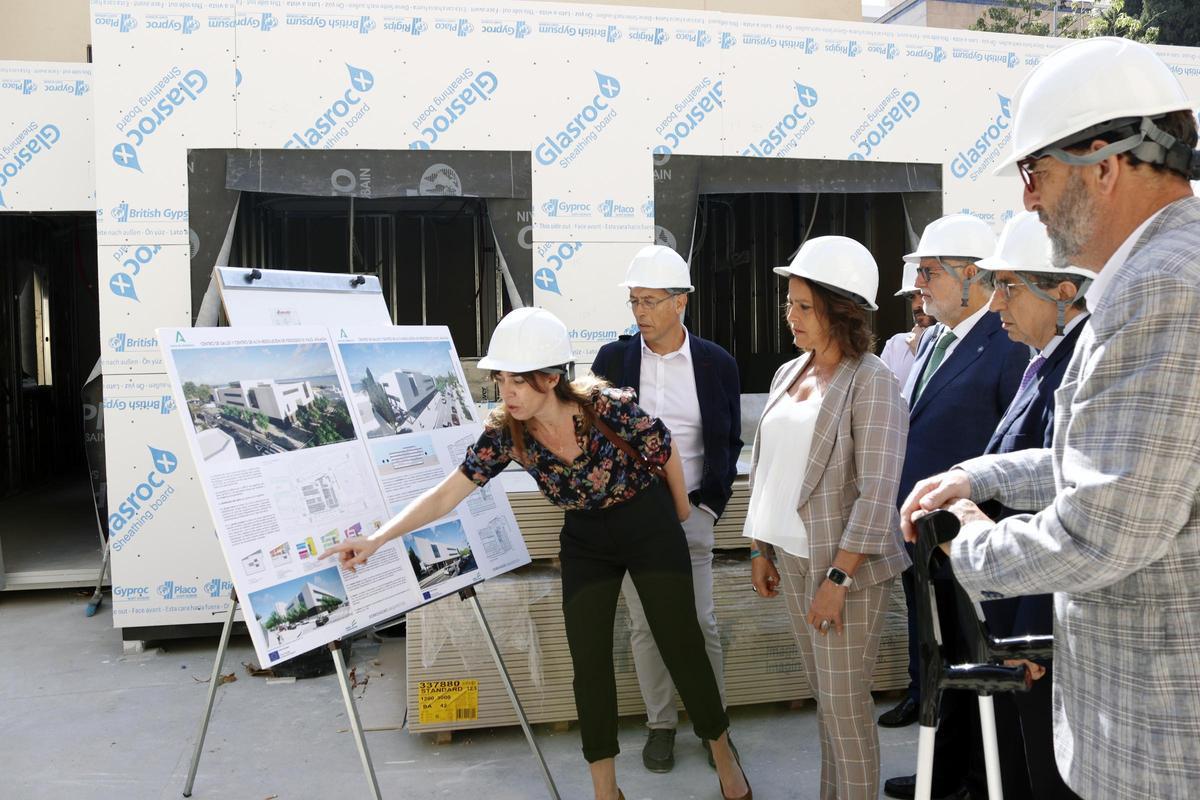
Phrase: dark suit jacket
{"type": "Point", "coordinates": [954, 418]}
{"type": "Point", "coordinates": [719, 392]}
{"type": "Point", "coordinates": [1029, 422]}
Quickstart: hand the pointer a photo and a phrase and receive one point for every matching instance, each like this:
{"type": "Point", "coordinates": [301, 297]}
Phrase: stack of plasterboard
{"type": "Point", "coordinates": [524, 610]}
{"type": "Point", "coordinates": [541, 521]}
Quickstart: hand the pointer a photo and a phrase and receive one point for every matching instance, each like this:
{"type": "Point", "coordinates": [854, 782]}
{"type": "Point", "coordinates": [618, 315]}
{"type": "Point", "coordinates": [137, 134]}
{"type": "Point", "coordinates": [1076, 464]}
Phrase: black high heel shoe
{"type": "Point", "coordinates": [749, 795]}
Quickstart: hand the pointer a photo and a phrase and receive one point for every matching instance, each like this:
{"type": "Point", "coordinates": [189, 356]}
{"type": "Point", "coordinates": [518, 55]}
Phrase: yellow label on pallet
{"type": "Point", "coordinates": [447, 701]}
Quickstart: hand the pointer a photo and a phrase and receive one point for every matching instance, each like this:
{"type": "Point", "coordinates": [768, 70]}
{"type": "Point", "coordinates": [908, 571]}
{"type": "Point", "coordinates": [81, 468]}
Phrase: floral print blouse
{"type": "Point", "coordinates": [602, 475]}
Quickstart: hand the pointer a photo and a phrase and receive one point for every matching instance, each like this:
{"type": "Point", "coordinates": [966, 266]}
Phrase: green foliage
{"type": "Point", "coordinates": [329, 603]}
{"type": "Point", "coordinates": [298, 613]}
{"type": "Point", "coordinates": [1076, 20]}
{"type": "Point", "coordinates": [273, 621]}
{"type": "Point", "coordinates": [201, 392]}
{"type": "Point", "coordinates": [1178, 21]}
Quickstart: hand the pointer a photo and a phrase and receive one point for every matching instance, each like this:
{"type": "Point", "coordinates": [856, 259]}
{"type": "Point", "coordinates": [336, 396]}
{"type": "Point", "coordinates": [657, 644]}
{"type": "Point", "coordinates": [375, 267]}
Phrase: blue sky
{"type": "Point", "coordinates": [450, 533]}
{"type": "Point", "coordinates": [217, 366]}
{"type": "Point", "coordinates": [432, 358]}
{"type": "Point", "coordinates": [263, 601]}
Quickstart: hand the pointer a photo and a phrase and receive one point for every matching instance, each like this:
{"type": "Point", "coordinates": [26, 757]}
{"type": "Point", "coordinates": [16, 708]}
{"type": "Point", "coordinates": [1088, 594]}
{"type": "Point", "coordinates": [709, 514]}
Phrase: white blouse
{"type": "Point", "coordinates": [784, 439]}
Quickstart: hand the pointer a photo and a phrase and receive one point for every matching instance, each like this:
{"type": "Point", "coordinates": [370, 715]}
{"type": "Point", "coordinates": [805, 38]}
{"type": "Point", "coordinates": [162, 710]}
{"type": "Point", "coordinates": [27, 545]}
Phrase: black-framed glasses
{"type": "Point", "coordinates": [645, 302]}
{"type": "Point", "coordinates": [927, 273]}
{"type": "Point", "coordinates": [1004, 289]}
{"type": "Point", "coordinates": [1028, 174]}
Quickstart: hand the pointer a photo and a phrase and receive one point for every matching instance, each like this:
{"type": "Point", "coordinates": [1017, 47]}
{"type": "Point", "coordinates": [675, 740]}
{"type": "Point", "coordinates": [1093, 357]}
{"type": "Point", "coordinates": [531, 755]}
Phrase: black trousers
{"type": "Point", "coordinates": [642, 536]}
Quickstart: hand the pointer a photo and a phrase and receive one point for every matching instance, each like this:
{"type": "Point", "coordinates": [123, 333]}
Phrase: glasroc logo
{"type": "Point", "coordinates": [144, 500]}
{"type": "Point", "coordinates": [577, 133]}
{"type": "Point", "coordinates": [975, 158]}
{"type": "Point", "coordinates": [334, 122]}
{"type": "Point", "coordinates": [150, 115]}
{"type": "Point", "coordinates": [38, 140]}
{"type": "Point", "coordinates": [785, 134]}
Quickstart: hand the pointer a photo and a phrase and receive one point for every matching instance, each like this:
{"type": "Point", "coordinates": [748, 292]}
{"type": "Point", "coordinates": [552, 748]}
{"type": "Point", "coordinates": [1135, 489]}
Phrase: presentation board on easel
{"type": "Point", "coordinates": [306, 436]}
{"type": "Point", "coordinates": [288, 297]}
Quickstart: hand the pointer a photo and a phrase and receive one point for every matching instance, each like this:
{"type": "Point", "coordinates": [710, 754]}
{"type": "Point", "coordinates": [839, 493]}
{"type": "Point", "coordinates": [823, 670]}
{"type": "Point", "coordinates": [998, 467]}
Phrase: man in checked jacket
{"type": "Point", "coordinates": [1104, 139]}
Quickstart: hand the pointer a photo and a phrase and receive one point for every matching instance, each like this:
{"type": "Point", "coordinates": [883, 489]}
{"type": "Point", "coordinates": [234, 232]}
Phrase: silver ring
{"type": "Point", "coordinates": [754, 588]}
{"type": "Point", "coordinates": [824, 625]}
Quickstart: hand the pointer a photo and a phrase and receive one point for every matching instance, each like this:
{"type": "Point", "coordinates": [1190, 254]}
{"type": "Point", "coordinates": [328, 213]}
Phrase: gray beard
{"type": "Point", "coordinates": [1072, 225]}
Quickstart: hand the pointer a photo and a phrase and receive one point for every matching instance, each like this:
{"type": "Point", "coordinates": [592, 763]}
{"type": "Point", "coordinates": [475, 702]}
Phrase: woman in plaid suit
{"type": "Point", "coordinates": [822, 517]}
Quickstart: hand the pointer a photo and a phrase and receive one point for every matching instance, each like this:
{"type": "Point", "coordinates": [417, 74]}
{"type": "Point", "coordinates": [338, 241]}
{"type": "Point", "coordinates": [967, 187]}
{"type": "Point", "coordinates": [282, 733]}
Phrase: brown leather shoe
{"type": "Point", "coordinates": [749, 795]}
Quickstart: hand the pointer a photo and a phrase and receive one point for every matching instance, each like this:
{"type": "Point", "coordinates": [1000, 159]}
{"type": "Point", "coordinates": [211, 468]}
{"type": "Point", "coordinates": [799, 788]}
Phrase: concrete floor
{"type": "Point", "coordinates": [82, 719]}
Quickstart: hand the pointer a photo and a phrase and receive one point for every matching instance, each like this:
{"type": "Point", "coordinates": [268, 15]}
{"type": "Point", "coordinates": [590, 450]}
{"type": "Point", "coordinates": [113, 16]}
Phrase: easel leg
{"type": "Point", "coordinates": [360, 740]}
{"type": "Point", "coordinates": [98, 595]}
{"type": "Point", "coordinates": [925, 763]}
{"type": "Point", "coordinates": [469, 595]}
{"type": "Point", "coordinates": [212, 694]}
{"type": "Point", "coordinates": [991, 748]}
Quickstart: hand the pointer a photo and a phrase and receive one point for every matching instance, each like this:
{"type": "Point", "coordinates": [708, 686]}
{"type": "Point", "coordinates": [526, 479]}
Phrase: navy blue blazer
{"type": "Point", "coordinates": [966, 398]}
{"type": "Point", "coordinates": [1028, 423]}
{"type": "Point", "coordinates": [719, 391]}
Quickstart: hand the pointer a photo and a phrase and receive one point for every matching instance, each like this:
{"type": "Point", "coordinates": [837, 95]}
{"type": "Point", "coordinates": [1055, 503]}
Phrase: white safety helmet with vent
{"type": "Point", "coordinates": [529, 340]}
{"type": "Point", "coordinates": [657, 267]}
{"type": "Point", "coordinates": [955, 236]}
{"type": "Point", "coordinates": [1093, 87]}
{"type": "Point", "coordinates": [840, 264]}
{"type": "Point", "coordinates": [908, 283]}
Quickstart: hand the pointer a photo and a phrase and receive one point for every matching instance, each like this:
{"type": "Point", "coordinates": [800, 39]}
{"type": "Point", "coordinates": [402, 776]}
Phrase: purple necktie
{"type": "Point", "coordinates": [1031, 372]}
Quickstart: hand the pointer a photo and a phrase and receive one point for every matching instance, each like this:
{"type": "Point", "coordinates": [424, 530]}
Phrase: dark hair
{"type": "Point", "coordinates": [1047, 282]}
{"type": "Point", "coordinates": [845, 319]}
{"type": "Point", "coordinates": [582, 390]}
{"type": "Point", "coordinates": [1179, 124]}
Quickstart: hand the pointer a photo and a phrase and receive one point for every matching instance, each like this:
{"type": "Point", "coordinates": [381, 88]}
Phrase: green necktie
{"type": "Point", "coordinates": [935, 360]}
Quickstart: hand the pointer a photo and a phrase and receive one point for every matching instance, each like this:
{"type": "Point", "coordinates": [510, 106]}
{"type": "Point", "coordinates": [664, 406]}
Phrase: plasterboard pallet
{"type": "Point", "coordinates": [540, 521]}
{"type": "Point", "coordinates": [761, 660]}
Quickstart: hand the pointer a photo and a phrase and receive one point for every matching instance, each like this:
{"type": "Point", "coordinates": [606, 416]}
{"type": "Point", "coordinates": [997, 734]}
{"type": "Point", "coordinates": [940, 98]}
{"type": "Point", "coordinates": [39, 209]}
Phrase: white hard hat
{"type": "Point", "coordinates": [955, 236]}
{"type": "Point", "coordinates": [1080, 89]}
{"type": "Point", "coordinates": [908, 284]}
{"type": "Point", "coordinates": [528, 340]}
{"type": "Point", "coordinates": [657, 267]}
{"type": "Point", "coordinates": [838, 263]}
{"type": "Point", "coordinates": [1025, 246]}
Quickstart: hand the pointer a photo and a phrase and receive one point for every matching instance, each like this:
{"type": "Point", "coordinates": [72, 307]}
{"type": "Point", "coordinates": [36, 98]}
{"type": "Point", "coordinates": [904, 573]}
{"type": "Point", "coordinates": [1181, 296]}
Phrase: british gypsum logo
{"type": "Point", "coordinates": [976, 158]}
{"type": "Point", "coordinates": [14, 161]}
{"type": "Point", "coordinates": [336, 119]}
{"type": "Point", "coordinates": [264, 22]}
{"type": "Point", "coordinates": [363, 24]}
{"type": "Point", "coordinates": [146, 498]}
{"type": "Point", "coordinates": [569, 142]}
{"type": "Point", "coordinates": [187, 89]}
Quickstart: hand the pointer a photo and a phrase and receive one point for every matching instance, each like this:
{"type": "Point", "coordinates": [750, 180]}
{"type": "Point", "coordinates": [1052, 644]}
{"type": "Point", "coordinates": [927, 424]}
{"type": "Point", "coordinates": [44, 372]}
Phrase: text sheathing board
{"type": "Point", "coordinates": [305, 437]}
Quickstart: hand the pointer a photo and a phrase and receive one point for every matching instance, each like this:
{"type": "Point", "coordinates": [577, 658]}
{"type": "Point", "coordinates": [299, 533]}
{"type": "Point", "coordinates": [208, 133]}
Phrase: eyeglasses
{"type": "Point", "coordinates": [927, 273]}
{"type": "Point", "coordinates": [1028, 174]}
{"type": "Point", "coordinates": [1005, 289]}
{"type": "Point", "coordinates": [646, 303]}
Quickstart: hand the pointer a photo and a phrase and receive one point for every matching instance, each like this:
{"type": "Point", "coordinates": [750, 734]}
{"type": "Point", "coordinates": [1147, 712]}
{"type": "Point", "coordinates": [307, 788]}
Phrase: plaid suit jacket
{"type": "Point", "coordinates": [1118, 537]}
{"type": "Point", "coordinates": [848, 499]}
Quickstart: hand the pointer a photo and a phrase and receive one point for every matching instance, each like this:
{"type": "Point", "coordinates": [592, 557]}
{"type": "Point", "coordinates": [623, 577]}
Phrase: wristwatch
{"type": "Point", "coordinates": [839, 577]}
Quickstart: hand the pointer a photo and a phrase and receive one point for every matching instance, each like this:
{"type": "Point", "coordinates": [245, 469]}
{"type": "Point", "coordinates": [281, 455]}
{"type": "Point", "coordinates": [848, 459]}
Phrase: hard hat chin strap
{"type": "Point", "coordinates": [1148, 142]}
{"type": "Point", "coordinates": [1060, 321]}
{"type": "Point", "coordinates": [965, 283]}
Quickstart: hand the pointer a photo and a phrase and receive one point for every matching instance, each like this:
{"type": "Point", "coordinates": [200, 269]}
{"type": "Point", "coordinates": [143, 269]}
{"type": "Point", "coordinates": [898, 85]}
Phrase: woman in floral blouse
{"type": "Point", "coordinates": [596, 454]}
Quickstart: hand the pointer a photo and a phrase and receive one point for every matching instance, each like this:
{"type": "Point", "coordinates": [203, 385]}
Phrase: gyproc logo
{"type": "Point", "coordinates": [123, 23]}
{"type": "Point", "coordinates": [337, 114]}
{"type": "Point", "coordinates": [131, 592]}
{"type": "Point", "coordinates": [40, 140]}
{"type": "Point", "coordinates": [188, 89]}
{"type": "Point", "coordinates": [218, 587]}
{"type": "Point", "coordinates": [170, 590]}
{"type": "Point", "coordinates": [185, 23]}
{"type": "Point", "coordinates": [935, 54]}
{"type": "Point", "coordinates": [569, 142]}
{"type": "Point", "coordinates": [791, 127]}
{"type": "Point", "coordinates": [985, 149]}
{"type": "Point", "coordinates": [562, 208]}
{"type": "Point", "coordinates": [517, 30]}
{"type": "Point", "coordinates": [140, 505]}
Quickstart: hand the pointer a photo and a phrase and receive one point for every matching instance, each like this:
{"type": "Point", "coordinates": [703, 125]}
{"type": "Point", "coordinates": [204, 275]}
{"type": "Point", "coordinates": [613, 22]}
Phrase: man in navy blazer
{"type": "Point", "coordinates": [965, 375]}
{"type": "Point", "coordinates": [692, 385]}
{"type": "Point", "coordinates": [1042, 306]}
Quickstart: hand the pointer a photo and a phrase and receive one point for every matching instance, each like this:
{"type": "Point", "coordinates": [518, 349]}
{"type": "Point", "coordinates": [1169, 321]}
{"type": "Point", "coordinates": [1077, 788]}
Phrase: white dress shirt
{"type": "Point", "coordinates": [784, 441]}
{"type": "Point", "coordinates": [668, 391]}
{"type": "Point", "coordinates": [898, 356]}
{"type": "Point", "coordinates": [962, 329]}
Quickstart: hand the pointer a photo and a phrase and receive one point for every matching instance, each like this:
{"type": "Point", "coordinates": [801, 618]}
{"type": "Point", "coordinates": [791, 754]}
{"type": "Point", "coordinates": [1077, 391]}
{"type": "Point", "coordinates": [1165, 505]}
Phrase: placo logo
{"type": "Point", "coordinates": [459, 27]}
{"type": "Point", "coordinates": [413, 26]}
{"type": "Point", "coordinates": [697, 36]}
{"type": "Point", "coordinates": [605, 33]}
{"type": "Point", "coordinates": [615, 209]}
{"type": "Point", "coordinates": [143, 501]}
{"type": "Point", "coordinates": [655, 36]}
{"type": "Point", "coordinates": [22, 85]}
{"type": "Point", "coordinates": [578, 133]}
{"type": "Point", "coordinates": [976, 158]}
{"type": "Point", "coordinates": [123, 23]}
{"type": "Point", "coordinates": [363, 24]}
{"type": "Point", "coordinates": [337, 114]}
{"type": "Point", "coordinates": [170, 590]}
{"type": "Point", "coordinates": [935, 54]}
{"type": "Point", "coordinates": [218, 587]}
{"type": "Point", "coordinates": [138, 129]}
{"type": "Point", "coordinates": [131, 592]}
{"type": "Point", "coordinates": [556, 258]}
{"type": "Point", "coordinates": [33, 141]}
{"type": "Point", "coordinates": [124, 343]}
{"type": "Point", "coordinates": [448, 108]}
{"type": "Point", "coordinates": [648, 209]}
{"type": "Point", "coordinates": [562, 208]}
{"type": "Point", "coordinates": [517, 30]}
{"type": "Point", "coordinates": [786, 133]}
{"type": "Point", "coordinates": [176, 23]}
{"type": "Point", "coordinates": [705, 98]}
{"type": "Point", "coordinates": [728, 40]}
{"type": "Point", "coordinates": [891, 111]}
